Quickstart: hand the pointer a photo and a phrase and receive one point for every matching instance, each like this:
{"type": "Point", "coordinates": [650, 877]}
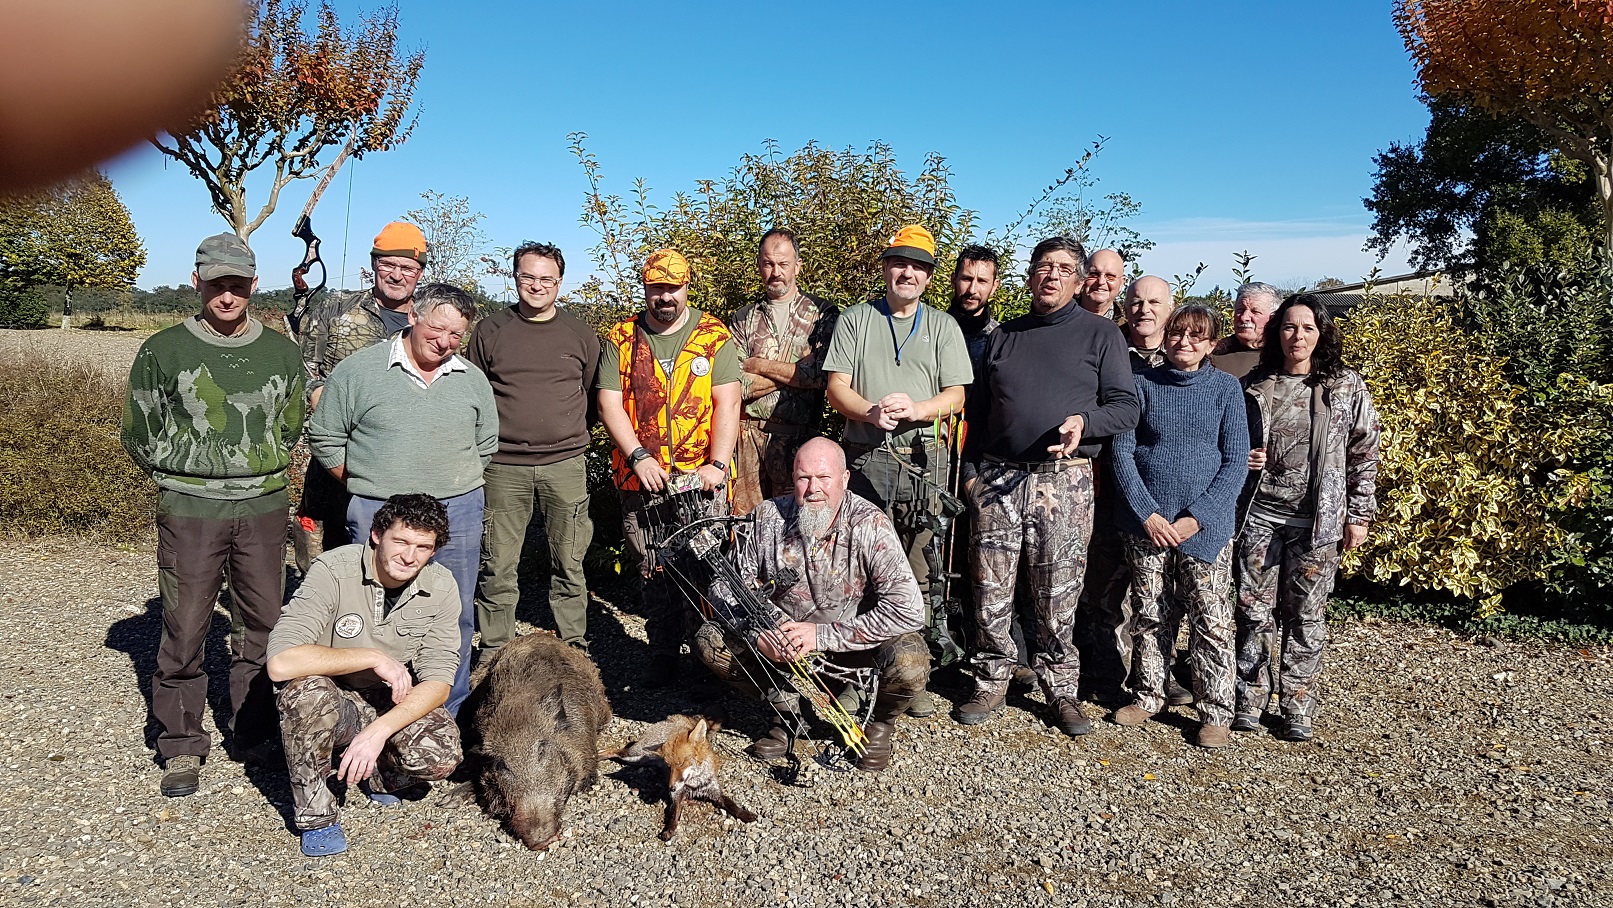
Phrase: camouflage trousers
{"type": "Point", "coordinates": [319, 717]}
{"type": "Point", "coordinates": [674, 583]}
{"type": "Point", "coordinates": [764, 465]}
{"type": "Point", "coordinates": [1044, 516]}
{"type": "Point", "coordinates": [903, 663]}
{"type": "Point", "coordinates": [1167, 585]}
{"type": "Point", "coordinates": [1282, 604]}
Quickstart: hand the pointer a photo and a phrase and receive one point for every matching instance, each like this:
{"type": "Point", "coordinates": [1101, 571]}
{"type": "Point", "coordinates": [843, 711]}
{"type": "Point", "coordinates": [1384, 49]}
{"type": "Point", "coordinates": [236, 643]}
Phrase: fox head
{"type": "Point", "coordinates": [691, 760]}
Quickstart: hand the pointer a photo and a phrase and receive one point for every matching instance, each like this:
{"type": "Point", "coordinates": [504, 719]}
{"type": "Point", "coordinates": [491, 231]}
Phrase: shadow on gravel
{"type": "Point", "coordinates": [138, 637]}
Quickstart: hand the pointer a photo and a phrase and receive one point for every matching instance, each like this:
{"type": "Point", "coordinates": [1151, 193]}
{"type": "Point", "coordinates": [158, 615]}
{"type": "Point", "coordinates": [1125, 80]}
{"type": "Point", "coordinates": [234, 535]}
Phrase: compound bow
{"type": "Point", "coordinates": [747, 613]}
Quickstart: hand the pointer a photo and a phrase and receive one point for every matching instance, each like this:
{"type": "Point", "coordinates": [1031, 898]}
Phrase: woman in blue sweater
{"type": "Point", "coordinates": [1180, 472]}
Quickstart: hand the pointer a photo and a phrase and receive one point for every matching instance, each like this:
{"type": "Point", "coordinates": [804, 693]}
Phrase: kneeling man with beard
{"type": "Point", "coordinates": [832, 562]}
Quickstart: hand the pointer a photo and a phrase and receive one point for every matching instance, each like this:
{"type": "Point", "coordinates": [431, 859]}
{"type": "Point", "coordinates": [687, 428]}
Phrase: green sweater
{"type": "Point", "coordinates": [394, 436]}
{"type": "Point", "coordinates": [212, 416]}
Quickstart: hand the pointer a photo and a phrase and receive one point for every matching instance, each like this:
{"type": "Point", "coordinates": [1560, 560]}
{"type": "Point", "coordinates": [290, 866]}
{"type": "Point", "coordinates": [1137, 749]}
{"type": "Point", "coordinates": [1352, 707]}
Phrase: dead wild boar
{"type": "Point", "coordinates": [534, 731]}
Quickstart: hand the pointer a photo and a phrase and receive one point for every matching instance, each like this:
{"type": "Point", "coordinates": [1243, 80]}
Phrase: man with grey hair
{"type": "Point", "coordinates": [1105, 275]}
{"type": "Point", "coordinates": [1054, 386]}
{"type": "Point", "coordinates": [410, 415]}
{"type": "Point", "coordinates": [1239, 352]}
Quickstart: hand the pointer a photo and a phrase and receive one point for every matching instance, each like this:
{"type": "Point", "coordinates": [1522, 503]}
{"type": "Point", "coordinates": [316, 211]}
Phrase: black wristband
{"type": "Point", "coordinates": [720, 465]}
{"type": "Point", "coordinates": [639, 453]}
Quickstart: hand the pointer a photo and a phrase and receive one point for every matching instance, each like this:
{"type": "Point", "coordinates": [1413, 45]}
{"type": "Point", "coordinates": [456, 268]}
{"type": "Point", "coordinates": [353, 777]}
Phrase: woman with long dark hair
{"type": "Point", "coordinates": [1179, 474]}
{"type": "Point", "coordinates": [1313, 498]}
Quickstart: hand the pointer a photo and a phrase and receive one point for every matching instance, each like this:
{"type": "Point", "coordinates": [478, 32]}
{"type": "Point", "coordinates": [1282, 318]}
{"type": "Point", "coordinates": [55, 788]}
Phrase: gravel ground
{"type": "Point", "coordinates": [1445, 773]}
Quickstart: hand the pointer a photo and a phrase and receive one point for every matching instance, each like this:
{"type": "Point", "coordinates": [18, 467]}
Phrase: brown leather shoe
{"type": "Point", "coordinates": [879, 748]}
{"type": "Point", "coordinates": [1069, 718]}
{"type": "Point", "coordinates": [980, 707]}
{"type": "Point", "coordinates": [1213, 736]}
{"type": "Point", "coordinates": [774, 745]}
{"type": "Point", "coordinates": [1132, 715]}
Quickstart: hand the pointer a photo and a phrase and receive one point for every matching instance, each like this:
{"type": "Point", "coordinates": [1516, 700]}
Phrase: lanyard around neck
{"type": "Point", "coordinates": [890, 321]}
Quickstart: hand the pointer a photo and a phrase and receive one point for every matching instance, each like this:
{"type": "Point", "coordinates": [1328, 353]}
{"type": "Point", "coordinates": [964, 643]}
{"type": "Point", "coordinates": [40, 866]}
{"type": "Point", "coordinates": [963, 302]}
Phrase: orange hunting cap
{"type": "Point", "coordinates": [666, 267]}
{"type": "Point", "coordinates": [400, 238]}
{"type": "Point", "coordinates": [912, 242]}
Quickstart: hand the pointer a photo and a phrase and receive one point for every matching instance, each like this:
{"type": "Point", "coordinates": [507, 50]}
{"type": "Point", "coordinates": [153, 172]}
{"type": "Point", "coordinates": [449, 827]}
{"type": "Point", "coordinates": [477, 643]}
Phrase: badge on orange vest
{"type": "Point", "coordinates": [700, 366]}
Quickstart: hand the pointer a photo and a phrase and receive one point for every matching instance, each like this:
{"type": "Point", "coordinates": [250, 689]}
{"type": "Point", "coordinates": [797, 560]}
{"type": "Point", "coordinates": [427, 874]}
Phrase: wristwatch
{"type": "Point", "coordinates": [638, 455]}
{"type": "Point", "coordinates": [720, 465]}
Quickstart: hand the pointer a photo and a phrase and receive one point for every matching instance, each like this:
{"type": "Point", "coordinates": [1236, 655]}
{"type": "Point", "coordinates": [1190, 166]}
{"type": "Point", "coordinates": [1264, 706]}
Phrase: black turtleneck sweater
{"type": "Point", "coordinates": [1040, 369]}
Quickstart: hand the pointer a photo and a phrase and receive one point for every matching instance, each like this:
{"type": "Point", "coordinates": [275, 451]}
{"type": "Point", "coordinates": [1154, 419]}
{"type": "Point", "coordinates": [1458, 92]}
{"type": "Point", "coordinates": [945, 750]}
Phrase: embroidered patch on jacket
{"type": "Point", "coordinates": [348, 626]}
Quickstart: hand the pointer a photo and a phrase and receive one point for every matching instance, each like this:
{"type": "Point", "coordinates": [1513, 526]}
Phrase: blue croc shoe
{"type": "Point", "coordinates": [387, 799]}
{"type": "Point", "coordinates": [380, 797]}
{"type": "Point", "coordinates": [325, 841]}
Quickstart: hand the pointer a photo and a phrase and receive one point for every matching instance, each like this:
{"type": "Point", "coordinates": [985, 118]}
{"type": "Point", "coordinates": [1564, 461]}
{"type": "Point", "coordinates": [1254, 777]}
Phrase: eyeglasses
{"type": "Point", "coordinates": [532, 280]}
{"type": "Point", "coordinates": [394, 268]}
{"type": "Point", "coordinates": [1187, 336]}
{"type": "Point", "coordinates": [1060, 268]}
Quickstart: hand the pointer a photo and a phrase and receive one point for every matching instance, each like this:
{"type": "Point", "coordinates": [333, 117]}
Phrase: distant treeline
{"type": "Point", "coordinates": [90, 301]}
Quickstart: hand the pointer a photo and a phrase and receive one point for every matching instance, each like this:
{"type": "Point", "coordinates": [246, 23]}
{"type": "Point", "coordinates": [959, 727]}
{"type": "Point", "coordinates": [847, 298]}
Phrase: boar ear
{"type": "Point", "coordinates": [698, 733]}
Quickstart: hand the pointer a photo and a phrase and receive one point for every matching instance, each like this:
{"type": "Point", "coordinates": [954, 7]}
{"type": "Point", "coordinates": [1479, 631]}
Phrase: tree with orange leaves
{"type": "Point", "coordinates": [290, 98]}
{"type": "Point", "coordinates": [1548, 62]}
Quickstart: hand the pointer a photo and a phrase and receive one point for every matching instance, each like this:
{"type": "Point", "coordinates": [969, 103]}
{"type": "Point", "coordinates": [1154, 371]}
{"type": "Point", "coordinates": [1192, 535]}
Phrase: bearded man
{"type": "Point", "coordinates": [832, 563]}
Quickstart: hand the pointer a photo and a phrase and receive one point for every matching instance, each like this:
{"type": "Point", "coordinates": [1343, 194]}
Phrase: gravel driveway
{"type": "Point", "coordinates": [1445, 773]}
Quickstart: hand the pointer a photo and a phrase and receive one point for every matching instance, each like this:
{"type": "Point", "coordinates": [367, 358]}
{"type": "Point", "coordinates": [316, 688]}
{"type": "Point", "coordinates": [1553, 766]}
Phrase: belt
{"type": "Point", "coordinates": [1039, 466]}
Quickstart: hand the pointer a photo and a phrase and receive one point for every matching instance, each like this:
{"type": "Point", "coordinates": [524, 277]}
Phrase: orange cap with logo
{"type": "Point", "coordinates": [912, 242]}
{"type": "Point", "coordinates": [666, 266]}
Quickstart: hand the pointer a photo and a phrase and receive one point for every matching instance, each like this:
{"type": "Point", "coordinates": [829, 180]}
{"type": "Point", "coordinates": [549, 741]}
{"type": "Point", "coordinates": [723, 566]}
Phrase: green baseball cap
{"type": "Point", "coordinates": [225, 255]}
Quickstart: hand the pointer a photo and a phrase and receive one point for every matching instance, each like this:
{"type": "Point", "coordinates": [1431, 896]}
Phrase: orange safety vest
{"type": "Point", "coordinates": [672, 419]}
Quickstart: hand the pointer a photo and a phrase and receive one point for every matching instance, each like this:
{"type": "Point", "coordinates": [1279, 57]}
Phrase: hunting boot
{"type": "Point", "coordinates": [982, 706]}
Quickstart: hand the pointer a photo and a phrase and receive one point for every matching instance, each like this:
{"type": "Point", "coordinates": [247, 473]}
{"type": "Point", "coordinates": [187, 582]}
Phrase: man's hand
{"type": "Point", "coordinates": [396, 676]}
{"type": "Point", "coordinates": [899, 407]}
{"type": "Point", "coordinates": [1069, 436]}
{"type": "Point", "coordinates": [338, 473]}
{"type": "Point", "coordinates": [1162, 532]}
{"type": "Point", "coordinates": [358, 763]}
{"type": "Point", "coordinates": [802, 637]}
{"type": "Point", "coordinates": [711, 477]}
{"type": "Point", "coordinates": [1185, 527]}
{"type": "Point", "coordinates": [651, 476]}
{"type": "Point", "coordinates": [877, 415]}
{"type": "Point", "coordinates": [1355, 535]}
{"type": "Point", "coordinates": [789, 641]}
{"type": "Point", "coordinates": [1257, 458]}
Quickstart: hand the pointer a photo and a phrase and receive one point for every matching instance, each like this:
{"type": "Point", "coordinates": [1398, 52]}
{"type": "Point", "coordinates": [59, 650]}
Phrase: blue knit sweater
{"type": "Point", "coordinates": [1189, 455]}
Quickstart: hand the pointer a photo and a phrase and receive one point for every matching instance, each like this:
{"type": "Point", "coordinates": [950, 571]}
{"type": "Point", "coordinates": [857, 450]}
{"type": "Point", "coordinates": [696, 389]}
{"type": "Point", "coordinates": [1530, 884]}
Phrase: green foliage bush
{"type": "Point", "coordinates": [62, 468]}
{"type": "Point", "coordinates": [1496, 481]}
{"type": "Point", "coordinates": [1467, 470]}
{"type": "Point", "coordinates": [21, 307]}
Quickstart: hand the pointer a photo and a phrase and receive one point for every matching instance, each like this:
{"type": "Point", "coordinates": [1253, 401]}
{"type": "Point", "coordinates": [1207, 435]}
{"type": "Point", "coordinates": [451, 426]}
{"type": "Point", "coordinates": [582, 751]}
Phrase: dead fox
{"type": "Point", "coordinates": [682, 745]}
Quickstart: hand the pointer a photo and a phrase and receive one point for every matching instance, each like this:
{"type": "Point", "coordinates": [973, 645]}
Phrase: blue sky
{"type": "Point", "coordinates": [1236, 125]}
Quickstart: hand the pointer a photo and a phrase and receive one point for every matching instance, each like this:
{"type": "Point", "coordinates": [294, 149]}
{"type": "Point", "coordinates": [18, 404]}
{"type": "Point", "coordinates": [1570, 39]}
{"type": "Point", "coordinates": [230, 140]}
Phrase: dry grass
{"type": "Point", "coordinates": [62, 466]}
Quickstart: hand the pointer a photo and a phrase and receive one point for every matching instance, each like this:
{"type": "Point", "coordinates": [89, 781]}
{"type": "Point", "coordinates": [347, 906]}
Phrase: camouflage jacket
{"type": "Point", "coordinates": [1343, 451]}
{"type": "Point", "coordinates": [854, 584]}
{"type": "Point", "coordinates": [343, 325]}
{"type": "Point", "coordinates": [793, 409]}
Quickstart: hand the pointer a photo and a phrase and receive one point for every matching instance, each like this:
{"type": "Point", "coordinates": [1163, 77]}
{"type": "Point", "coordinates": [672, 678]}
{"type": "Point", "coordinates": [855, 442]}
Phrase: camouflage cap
{"type": "Point", "coordinates": [225, 255]}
